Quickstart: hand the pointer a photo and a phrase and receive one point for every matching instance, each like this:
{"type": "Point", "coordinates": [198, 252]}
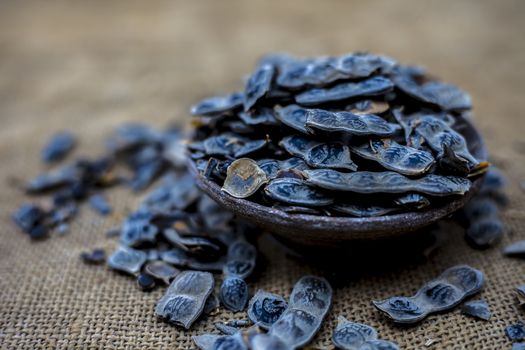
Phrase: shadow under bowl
{"type": "Point", "coordinates": [334, 231]}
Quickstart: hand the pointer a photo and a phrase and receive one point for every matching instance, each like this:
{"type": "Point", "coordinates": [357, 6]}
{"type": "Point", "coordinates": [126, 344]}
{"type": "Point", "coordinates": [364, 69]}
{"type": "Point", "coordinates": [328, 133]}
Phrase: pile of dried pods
{"type": "Point", "coordinates": [306, 131]}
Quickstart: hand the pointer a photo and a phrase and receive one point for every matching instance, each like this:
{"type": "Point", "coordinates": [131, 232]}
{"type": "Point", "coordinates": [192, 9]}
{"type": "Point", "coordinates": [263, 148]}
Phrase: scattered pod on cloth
{"type": "Point", "coordinates": [226, 329]}
{"type": "Point", "coordinates": [240, 260]}
{"type": "Point", "coordinates": [393, 156]}
{"type": "Point", "coordinates": [58, 146]}
{"type": "Point", "coordinates": [258, 85]}
{"type": "Point", "coordinates": [486, 231]}
{"type": "Point", "coordinates": [100, 204]}
{"type": "Point", "coordinates": [516, 331]}
{"type": "Point", "coordinates": [127, 260]}
{"type": "Point", "coordinates": [95, 257]}
{"type": "Point", "coordinates": [441, 294]}
{"type": "Point", "coordinates": [296, 192]}
{"type": "Point", "coordinates": [234, 293]}
{"type": "Point", "coordinates": [370, 87]}
{"type": "Point", "coordinates": [520, 295]}
{"type": "Point", "coordinates": [349, 335]}
{"type": "Point", "coordinates": [266, 308]}
{"type": "Point", "coordinates": [161, 271]}
{"type": "Point", "coordinates": [185, 298]}
{"type": "Point", "coordinates": [194, 245]}
{"type": "Point", "coordinates": [212, 304]}
{"type": "Point", "coordinates": [349, 123]}
{"type": "Point", "coordinates": [476, 308]}
{"type": "Point", "coordinates": [244, 177]}
{"type": "Point", "coordinates": [218, 105]}
{"type": "Point", "coordinates": [386, 182]}
{"type": "Point", "coordinates": [137, 229]}
{"type": "Point", "coordinates": [180, 258]}
{"type": "Point", "coordinates": [516, 249]}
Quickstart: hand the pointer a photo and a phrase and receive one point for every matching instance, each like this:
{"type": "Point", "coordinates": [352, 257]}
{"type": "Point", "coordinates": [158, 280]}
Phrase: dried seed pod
{"type": "Point", "coordinates": [351, 336]}
{"type": "Point", "coordinates": [450, 145]}
{"type": "Point", "coordinates": [97, 256]}
{"type": "Point", "coordinates": [127, 260]}
{"type": "Point", "coordinates": [223, 145]}
{"type": "Point", "coordinates": [441, 294]}
{"type": "Point", "coordinates": [412, 201]}
{"type": "Point", "coordinates": [206, 341]}
{"type": "Point", "coordinates": [234, 293]}
{"type": "Point", "coordinates": [226, 329]}
{"type": "Point", "coordinates": [240, 260]}
{"type": "Point", "coordinates": [266, 308]}
{"type": "Point", "coordinates": [516, 249]}
{"type": "Point", "coordinates": [374, 86]}
{"type": "Point", "coordinates": [386, 182]}
{"type": "Point", "coordinates": [250, 147]}
{"type": "Point", "coordinates": [480, 207]}
{"type": "Point", "coordinates": [476, 308]}
{"type": "Point", "coordinates": [349, 123]}
{"type": "Point", "coordinates": [218, 105]}
{"type": "Point", "coordinates": [161, 271]}
{"type": "Point", "coordinates": [195, 245]}
{"type": "Point", "coordinates": [393, 156]}
{"type": "Point", "coordinates": [293, 116]}
{"type": "Point", "coordinates": [58, 146]}
{"type": "Point", "coordinates": [309, 303]}
{"type": "Point", "coordinates": [485, 232]}
{"type": "Point", "coordinates": [100, 204]}
{"type": "Point", "coordinates": [267, 342]}
{"type": "Point", "coordinates": [261, 116]}
{"type": "Point", "coordinates": [137, 229]}
{"type": "Point", "coordinates": [520, 294]}
{"type": "Point", "coordinates": [296, 192]}
{"type": "Point", "coordinates": [185, 298]}
{"type": "Point", "coordinates": [258, 85]}
{"type": "Point", "coordinates": [515, 331]}
{"type": "Point", "coordinates": [362, 210]}
{"type": "Point", "coordinates": [244, 177]}
{"type": "Point", "coordinates": [365, 107]}
{"type": "Point", "coordinates": [212, 304]}
{"type": "Point", "coordinates": [446, 96]}
{"type": "Point", "coordinates": [180, 258]}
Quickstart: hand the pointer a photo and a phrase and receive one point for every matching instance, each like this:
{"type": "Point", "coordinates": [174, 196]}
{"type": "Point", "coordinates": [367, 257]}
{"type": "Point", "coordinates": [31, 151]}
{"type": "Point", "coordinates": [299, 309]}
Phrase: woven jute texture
{"type": "Point", "coordinates": [88, 66]}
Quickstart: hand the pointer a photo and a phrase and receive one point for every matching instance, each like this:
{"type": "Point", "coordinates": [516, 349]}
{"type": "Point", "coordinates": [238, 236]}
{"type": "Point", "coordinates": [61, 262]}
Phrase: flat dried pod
{"type": "Point", "coordinates": [180, 258]}
{"type": "Point", "coordinates": [516, 331]}
{"type": "Point", "coordinates": [226, 329]}
{"type": "Point", "coordinates": [362, 64]}
{"type": "Point", "coordinates": [265, 308]}
{"type": "Point", "coordinates": [267, 342]}
{"type": "Point", "coordinates": [296, 192]}
{"type": "Point", "coordinates": [234, 293]}
{"type": "Point", "coordinates": [224, 144]}
{"type": "Point", "coordinates": [161, 271]}
{"type": "Point", "coordinates": [330, 155]}
{"type": "Point", "coordinates": [258, 85]}
{"type": "Point", "coordinates": [241, 259]}
{"type": "Point", "coordinates": [351, 336]}
{"type": "Point", "coordinates": [251, 147]}
{"type": "Point", "coordinates": [137, 229]}
{"type": "Point", "coordinates": [516, 249]}
{"type": "Point", "coordinates": [127, 260]}
{"type": "Point", "coordinates": [386, 182]}
{"type": "Point", "coordinates": [269, 166]}
{"type": "Point", "coordinates": [185, 298]}
{"type": "Point", "coordinates": [480, 207]}
{"type": "Point", "coordinates": [412, 201]}
{"type": "Point", "coordinates": [297, 145]}
{"type": "Point", "coordinates": [293, 116]}
{"type": "Point", "coordinates": [362, 210]}
{"type": "Point", "coordinates": [309, 303]}
{"type": "Point", "coordinates": [450, 145]}
{"type": "Point", "coordinates": [206, 341]}
{"type": "Point", "coordinates": [219, 104]}
{"type": "Point", "coordinates": [443, 293]}
{"type": "Point", "coordinates": [476, 308]}
{"type": "Point", "coordinates": [346, 122]}
{"type": "Point", "coordinates": [374, 86]}
{"type": "Point", "coordinates": [446, 96]}
{"type": "Point", "coordinates": [261, 116]}
{"type": "Point", "coordinates": [195, 245]}
{"type": "Point", "coordinates": [399, 158]}
{"type": "Point", "coordinates": [212, 304]}
{"type": "Point", "coordinates": [58, 146]}
{"type": "Point", "coordinates": [243, 178]}
{"type": "Point", "coordinates": [486, 231]}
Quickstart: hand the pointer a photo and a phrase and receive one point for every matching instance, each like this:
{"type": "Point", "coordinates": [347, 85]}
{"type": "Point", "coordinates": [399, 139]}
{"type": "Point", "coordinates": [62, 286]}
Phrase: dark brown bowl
{"type": "Point", "coordinates": [332, 230]}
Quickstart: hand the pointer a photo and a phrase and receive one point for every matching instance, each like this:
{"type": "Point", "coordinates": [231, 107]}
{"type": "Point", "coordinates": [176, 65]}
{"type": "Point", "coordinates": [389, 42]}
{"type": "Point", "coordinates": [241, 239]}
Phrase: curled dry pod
{"type": "Point", "coordinates": [218, 105]}
{"type": "Point", "coordinates": [161, 271]}
{"type": "Point", "coordinates": [447, 97]}
{"type": "Point", "coordinates": [386, 182]}
{"type": "Point", "coordinates": [243, 178]}
{"type": "Point", "coordinates": [373, 86]}
{"type": "Point", "coordinates": [127, 260]}
{"type": "Point", "coordinates": [476, 308]}
{"type": "Point", "coordinates": [234, 293]}
{"type": "Point", "coordinates": [309, 303]}
{"type": "Point", "coordinates": [185, 298]}
{"type": "Point", "coordinates": [266, 308]}
{"type": "Point", "coordinates": [441, 294]}
{"type": "Point", "coordinates": [346, 122]}
{"type": "Point", "coordinates": [393, 156]}
{"type": "Point", "coordinates": [296, 192]}
{"type": "Point", "coordinates": [258, 85]}
{"type": "Point", "coordinates": [293, 116]}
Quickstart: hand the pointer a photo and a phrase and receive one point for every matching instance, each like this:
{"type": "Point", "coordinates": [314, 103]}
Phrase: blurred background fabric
{"type": "Point", "coordinates": [88, 66]}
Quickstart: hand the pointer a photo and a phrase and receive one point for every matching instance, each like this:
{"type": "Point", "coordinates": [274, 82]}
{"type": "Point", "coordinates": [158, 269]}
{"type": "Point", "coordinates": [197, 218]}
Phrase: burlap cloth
{"type": "Point", "coordinates": [88, 66]}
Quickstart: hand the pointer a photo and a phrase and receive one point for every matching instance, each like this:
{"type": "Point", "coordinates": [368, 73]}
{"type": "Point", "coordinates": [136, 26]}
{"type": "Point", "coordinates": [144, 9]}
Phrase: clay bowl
{"type": "Point", "coordinates": [326, 231]}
